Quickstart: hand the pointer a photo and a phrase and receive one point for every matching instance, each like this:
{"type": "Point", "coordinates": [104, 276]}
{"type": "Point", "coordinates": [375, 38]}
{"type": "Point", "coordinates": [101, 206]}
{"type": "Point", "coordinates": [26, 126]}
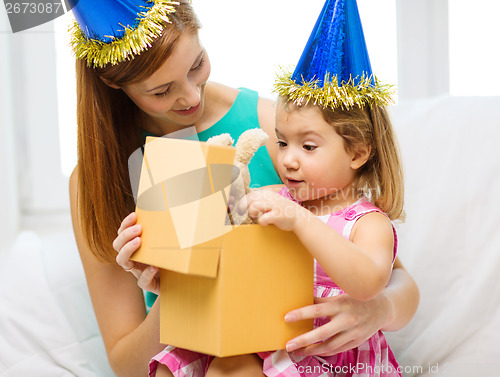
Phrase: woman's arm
{"type": "Point", "coordinates": [402, 296]}
{"type": "Point", "coordinates": [352, 321]}
{"type": "Point", "coordinates": [130, 336]}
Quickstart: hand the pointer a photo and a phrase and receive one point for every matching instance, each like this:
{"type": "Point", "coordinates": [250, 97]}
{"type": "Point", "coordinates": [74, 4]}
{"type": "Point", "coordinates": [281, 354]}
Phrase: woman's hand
{"type": "Point", "coordinates": [126, 243]}
{"type": "Point", "coordinates": [352, 322]}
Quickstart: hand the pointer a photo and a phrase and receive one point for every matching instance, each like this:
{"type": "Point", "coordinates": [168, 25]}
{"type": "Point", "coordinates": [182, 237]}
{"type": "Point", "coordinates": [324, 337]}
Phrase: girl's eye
{"type": "Point", "coordinates": [281, 144]}
{"type": "Point", "coordinates": [309, 148]}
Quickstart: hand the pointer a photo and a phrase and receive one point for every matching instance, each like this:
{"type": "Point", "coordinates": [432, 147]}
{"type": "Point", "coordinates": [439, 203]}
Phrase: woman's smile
{"type": "Point", "coordinates": [188, 111]}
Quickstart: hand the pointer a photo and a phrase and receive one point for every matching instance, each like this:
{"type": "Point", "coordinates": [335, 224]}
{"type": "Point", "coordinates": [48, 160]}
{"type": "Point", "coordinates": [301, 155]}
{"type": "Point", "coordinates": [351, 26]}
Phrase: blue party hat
{"type": "Point", "coordinates": [334, 69]}
{"type": "Point", "coordinates": [112, 31]}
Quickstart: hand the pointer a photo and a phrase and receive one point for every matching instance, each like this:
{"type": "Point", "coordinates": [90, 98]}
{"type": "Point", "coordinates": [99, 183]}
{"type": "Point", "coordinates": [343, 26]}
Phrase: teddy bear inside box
{"type": "Point", "coordinates": [225, 288]}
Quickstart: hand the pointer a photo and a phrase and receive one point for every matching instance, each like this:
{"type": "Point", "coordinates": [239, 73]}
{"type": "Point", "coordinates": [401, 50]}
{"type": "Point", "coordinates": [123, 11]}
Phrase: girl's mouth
{"type": "Point", "coordinates": [188, 111]}
{"type": "Point", "coordinates": [293, 182]}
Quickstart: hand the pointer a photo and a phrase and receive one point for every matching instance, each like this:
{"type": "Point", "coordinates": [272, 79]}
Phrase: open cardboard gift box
{"type": "Point", "coordinates": [224, 289]}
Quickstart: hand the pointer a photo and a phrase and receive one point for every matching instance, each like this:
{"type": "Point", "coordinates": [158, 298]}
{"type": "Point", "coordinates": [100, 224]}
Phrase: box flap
{"type": "Point", "coordinates": [182, 204]}
{"type": "Point", "coordinates": [194, 262]}
{"type": "Point", "coordinates": [160, 247]}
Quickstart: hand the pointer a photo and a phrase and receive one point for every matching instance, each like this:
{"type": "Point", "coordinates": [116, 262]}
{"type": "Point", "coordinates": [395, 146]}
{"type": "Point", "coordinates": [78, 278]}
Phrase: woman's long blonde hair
{"type": "Point", "coordinates": [381, 177]}
{"type": "Point", "coordinates": [109, 130]}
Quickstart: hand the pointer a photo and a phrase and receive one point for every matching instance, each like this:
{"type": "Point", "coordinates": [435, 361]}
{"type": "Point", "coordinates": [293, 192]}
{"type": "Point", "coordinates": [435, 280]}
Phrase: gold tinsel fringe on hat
{"type": "Point", "coordinates": [368, 91]}
{"type": "Point", "coordinates": [134, 41]}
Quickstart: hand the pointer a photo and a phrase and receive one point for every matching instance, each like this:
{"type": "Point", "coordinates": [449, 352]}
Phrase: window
{"type": "Point", "coordinates": [66, 89]}
{"type": "Point", "coordinates": [248, 42]}
{"type": "Point", "coordinates": [379, 25]}
{"type": "Point", "coordinates": [474, 31]}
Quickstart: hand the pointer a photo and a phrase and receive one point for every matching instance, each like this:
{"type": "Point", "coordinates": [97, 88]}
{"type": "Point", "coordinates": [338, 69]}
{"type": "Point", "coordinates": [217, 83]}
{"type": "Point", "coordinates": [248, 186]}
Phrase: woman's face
{"type": "Point", "coordinates": [174, 95]}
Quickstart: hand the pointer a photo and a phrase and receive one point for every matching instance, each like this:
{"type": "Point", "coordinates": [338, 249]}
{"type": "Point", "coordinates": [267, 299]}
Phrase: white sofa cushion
{"type": "Point", "coordinates": [47, 324]}
{"type": "Point", "coordinates": [450, 241]}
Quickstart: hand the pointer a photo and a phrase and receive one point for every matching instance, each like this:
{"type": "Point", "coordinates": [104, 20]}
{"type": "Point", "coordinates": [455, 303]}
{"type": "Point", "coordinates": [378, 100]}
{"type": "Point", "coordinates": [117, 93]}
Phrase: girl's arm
{"type": "Point", "coordinates": [391, 310]}
{"type": "Point", "coordinates": [130, 336]}
{"type": "Point", "coordinates": [361, 268]}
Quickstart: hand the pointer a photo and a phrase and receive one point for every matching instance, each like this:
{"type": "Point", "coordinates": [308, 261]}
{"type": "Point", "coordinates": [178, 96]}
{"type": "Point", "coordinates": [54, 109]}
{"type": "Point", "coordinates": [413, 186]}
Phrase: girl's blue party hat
{"type": "Point", "coordinates": [334, 69]}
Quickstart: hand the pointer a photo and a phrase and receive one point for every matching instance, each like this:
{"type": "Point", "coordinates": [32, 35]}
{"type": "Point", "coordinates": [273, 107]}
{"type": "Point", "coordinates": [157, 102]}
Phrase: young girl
{"type": "Point", "coordinates": [339, 161]}
{"type": "Point", "coordinates": [343, 185]}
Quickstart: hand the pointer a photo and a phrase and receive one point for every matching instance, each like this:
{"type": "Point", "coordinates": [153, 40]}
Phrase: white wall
{"type": "Point", "coordinates": [29, 66]}
{"type": "Point", "coordinates": [9, 208]}
{"type": "Point", "coordinates": [423, 48]}
{"type": "Point", "coordinates": [35, 99]}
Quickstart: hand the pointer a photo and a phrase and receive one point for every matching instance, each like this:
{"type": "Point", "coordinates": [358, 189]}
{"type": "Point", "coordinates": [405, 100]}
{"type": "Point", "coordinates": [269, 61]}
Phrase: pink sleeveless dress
{"type": "Point", "coordinates": [373, 358]}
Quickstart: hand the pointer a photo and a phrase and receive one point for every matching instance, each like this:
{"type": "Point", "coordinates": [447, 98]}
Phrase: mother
{"type": "Point", "coordinates": [129, 87]}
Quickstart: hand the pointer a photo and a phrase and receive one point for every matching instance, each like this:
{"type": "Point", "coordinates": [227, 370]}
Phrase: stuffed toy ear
{"type": "Point", "coordinates": [222, 139]}
{"type": "Point", "coordinates": [246, 146]}
{"type": "Point", "coordinates": [248, 143]}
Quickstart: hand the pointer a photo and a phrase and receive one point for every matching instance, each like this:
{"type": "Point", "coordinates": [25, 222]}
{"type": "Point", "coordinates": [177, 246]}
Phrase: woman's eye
{"type": "Point", "coordinates": [162, 93]}
{"type": "Point", "coordinates": [199, 66]}
{"type": "Point", "coordinates": [308, 147]}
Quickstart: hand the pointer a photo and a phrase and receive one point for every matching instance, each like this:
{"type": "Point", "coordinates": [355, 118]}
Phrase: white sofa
{"type": "Point", "coordinates": [450, 243]}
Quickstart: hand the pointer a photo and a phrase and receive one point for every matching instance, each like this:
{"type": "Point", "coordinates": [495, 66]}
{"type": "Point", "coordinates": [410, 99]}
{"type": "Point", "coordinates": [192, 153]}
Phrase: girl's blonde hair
{"type": "Point", "coordinates": [381, 177]}
{"type": "Point", "coordinates": [109, 130]}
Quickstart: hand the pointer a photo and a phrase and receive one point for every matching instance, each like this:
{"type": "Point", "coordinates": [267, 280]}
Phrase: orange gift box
{"type": "Point", "coordinates": [224, 289]}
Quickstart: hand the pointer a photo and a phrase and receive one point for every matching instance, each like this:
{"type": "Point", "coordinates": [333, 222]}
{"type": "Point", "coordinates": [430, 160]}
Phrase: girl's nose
{"type": "Point", "coordinates": [290, 161]}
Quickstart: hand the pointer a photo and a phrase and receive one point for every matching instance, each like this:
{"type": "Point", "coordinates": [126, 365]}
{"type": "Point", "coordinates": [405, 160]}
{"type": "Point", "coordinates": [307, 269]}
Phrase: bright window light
{"type": "Point", "coordinates": [66, 93]}
{"type": "Point", "coordinates": [247, 45]}
{"type": "Point", "coordinates": [380, 29]}
{"type": "Point", "coordinates": [474, 53]}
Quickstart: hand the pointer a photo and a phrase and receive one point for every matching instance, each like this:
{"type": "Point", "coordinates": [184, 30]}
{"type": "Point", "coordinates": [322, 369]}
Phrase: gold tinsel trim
{"type": "Point", "coordinates": [368, 91]}
{"type": "Point", "coordinates": [133, 42]}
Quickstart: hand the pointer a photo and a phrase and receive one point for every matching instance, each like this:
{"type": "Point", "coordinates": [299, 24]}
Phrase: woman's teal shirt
{"type": "Point", "coordinates": [241, 116]}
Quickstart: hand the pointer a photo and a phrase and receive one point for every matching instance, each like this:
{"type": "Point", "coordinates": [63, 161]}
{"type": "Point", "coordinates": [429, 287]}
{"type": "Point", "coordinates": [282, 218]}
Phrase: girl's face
{"type": "Point", "coordinates": [173, 97]}
{"type": "Point", "coordinates": [312, 160]}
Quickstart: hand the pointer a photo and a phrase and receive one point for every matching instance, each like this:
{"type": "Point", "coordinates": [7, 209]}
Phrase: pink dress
{"type": "Point", "coordinates": [373, 358]}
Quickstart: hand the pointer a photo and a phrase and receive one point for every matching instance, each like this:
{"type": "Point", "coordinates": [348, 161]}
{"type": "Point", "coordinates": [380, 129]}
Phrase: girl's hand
{"type": "Point", "coordinates": [352, 322]}
{"type": "Point", "coordinates": [126, 243]}
{"type": "Point", "coordinates": [268, 207]}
